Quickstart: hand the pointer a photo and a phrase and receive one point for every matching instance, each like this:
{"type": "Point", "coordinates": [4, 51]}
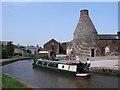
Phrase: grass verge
{"type": "Point", "coordinates": [13, 84]}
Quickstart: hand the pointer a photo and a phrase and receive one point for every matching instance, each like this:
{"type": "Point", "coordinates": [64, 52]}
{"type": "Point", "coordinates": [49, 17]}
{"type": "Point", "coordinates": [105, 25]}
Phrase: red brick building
{"type": "Point", "coordinates": [108, 44]}
{"type": "Point", "coordinates": [53, 47]}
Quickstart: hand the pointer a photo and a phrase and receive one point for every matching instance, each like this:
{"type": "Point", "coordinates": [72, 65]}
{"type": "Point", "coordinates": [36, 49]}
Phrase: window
{"type": "Point", "coordinates": [40, 62]}
{"type": "Point", "coordinates": [45, 63]}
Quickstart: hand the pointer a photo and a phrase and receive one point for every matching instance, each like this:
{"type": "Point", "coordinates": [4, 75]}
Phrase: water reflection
{"type": "Point", "coordinates": [45, 79]}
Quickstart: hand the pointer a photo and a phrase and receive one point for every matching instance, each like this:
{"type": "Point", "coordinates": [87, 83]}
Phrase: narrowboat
{"type": "Point", "coordinates": [76, 69]}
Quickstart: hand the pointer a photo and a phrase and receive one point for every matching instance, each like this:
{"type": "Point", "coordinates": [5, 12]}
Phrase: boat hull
{"type": "Point", "coordinates": [64, 72]}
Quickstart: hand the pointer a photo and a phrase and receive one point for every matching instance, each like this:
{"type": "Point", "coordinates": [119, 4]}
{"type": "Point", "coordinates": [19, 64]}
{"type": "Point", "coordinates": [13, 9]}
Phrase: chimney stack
{"type": "Point", "coordinates": [84, 12]}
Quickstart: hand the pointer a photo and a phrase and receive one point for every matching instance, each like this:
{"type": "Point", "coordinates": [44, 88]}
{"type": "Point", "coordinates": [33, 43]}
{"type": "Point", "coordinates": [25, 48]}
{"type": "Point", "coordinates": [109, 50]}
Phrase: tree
{"type": "Point", "coordinates": [37, 46]}
{"type": "Point", "coordinates": [63, 47]}
{"type": "Point", "coordinates": [10, 49]}
{"type": "Point", "coordinates": [28, 51]}
{"type": "Point", "coordinates": [4, 54]}
{"type": "Point", "coordinates": [39, 49]}
{"type": "Point", "coordinates": [0, 51]}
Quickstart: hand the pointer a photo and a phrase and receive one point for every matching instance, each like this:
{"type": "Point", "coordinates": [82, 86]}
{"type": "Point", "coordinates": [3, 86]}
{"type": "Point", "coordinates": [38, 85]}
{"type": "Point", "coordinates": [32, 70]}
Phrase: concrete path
{"type": "Point", "coordinates": [107, 64]}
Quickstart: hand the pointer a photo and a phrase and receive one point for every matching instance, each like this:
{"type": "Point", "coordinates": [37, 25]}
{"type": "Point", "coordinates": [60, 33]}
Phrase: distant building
{"type": "Point", "coordinates": [108, 44]}
{"type": "Point", "coordinates": [87, 42]}
{"type": "Point", "coordinates": [19, 50]}
{"type": "Point", "coordinates": [33, 49]}
{"type": "Point", "coordinates": [43, 54]}
{"type": "Point", "coordinates": [53, 47]}
{"type": "Point", "coordinates": [5, 42]}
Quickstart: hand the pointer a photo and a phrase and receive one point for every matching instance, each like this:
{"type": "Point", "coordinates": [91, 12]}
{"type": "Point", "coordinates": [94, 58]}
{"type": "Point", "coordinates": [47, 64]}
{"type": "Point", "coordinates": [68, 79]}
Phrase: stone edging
{"type": "Point", "coordinates": [7, 61]}
{"type": "Point", "coordinates": [106, 71]}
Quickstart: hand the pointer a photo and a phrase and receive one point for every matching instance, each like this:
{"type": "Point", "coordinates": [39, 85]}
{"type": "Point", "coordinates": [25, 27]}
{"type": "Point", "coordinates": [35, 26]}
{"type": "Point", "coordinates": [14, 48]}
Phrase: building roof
{"type": "Point", "coordinates": [52, 40]}
{"type": "Point", "coordinates": [45, 52]}
{"type": "Point", "coordinates": [108, 36]}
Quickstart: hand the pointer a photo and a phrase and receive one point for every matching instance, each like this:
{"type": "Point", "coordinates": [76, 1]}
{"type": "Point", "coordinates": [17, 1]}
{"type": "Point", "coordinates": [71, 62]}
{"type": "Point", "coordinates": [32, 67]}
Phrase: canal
{"type": "Point", "coordinates": [23, 71]}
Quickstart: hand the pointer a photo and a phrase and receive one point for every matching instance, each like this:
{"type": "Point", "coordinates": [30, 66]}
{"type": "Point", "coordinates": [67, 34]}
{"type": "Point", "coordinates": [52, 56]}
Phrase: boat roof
{"type": "Point", "coordinates": [58, 62]}
{"type": "Point", "coordinates": [51, 61]}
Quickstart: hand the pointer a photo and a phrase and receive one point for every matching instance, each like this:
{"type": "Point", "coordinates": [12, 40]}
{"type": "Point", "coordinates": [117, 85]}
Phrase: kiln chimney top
{"type": "Point", "coordinates": [84, 12]}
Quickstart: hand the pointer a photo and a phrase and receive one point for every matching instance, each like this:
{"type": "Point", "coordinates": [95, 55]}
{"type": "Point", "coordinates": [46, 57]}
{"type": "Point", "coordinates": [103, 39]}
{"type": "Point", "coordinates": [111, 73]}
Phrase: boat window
{"type": "Point", "coordinates": [51, 64]}
{"type": "Point", "coordinates": [45, 63]}
{"type": "Point", "coordinates": [55, 65]}
{"type": "Point", "coordinates": [39, 62]}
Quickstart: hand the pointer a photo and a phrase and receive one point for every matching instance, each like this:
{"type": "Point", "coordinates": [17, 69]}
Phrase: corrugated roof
{"type": "Point", "coordinates": [108, 36]}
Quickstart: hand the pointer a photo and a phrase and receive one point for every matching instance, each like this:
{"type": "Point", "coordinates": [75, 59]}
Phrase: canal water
{"type": "Point", "coordinates": [23, 71]}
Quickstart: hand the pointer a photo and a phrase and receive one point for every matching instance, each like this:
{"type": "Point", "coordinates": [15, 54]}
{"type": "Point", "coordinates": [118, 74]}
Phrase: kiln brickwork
{"type": "Point", "coordinates": [85, 41]}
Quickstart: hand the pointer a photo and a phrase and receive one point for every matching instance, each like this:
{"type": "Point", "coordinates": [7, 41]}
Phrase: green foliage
{"type": "Point", "coordinates": [39, 49]}
{"type": "Point", "coordinates": [28, 51]}
{"type": "Point", "coordinates": [63, 47]}
{"type": "Point", "coordinates": [10, 82]}
{"type": "Point", "coordinates": [0, 79]}
{"type": "Point", "coordinates": [0, 51]}
{"type": "Point", "coordinates": [4, 54]}
{"type": "Point", "coordinates": [7, 50]}
{"type": "Point", "coordinates": [62, 50]}
{"type": "Point", "coordinates": [10, 49]}
{"type": "Point", "coordinates": [52, 51]}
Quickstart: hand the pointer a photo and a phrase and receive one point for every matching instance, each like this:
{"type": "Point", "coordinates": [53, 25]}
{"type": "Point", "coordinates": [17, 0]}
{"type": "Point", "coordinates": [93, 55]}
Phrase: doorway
{"type": "Point", "coordinates": [92, 53]}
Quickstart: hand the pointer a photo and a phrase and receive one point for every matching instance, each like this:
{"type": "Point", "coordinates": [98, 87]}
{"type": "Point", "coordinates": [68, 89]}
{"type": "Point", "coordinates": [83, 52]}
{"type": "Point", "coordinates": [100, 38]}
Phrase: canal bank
{"type": "Point", "coordinates": [105, 71]}
{"type": "Point", "coordinates": [109, 65]}
{"type": "Point", "coordinates": [7, 61]}
{"type": "Point", "coordinates": [11, 82]}
{"type": "Point", "coordinates": [106, 65]}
